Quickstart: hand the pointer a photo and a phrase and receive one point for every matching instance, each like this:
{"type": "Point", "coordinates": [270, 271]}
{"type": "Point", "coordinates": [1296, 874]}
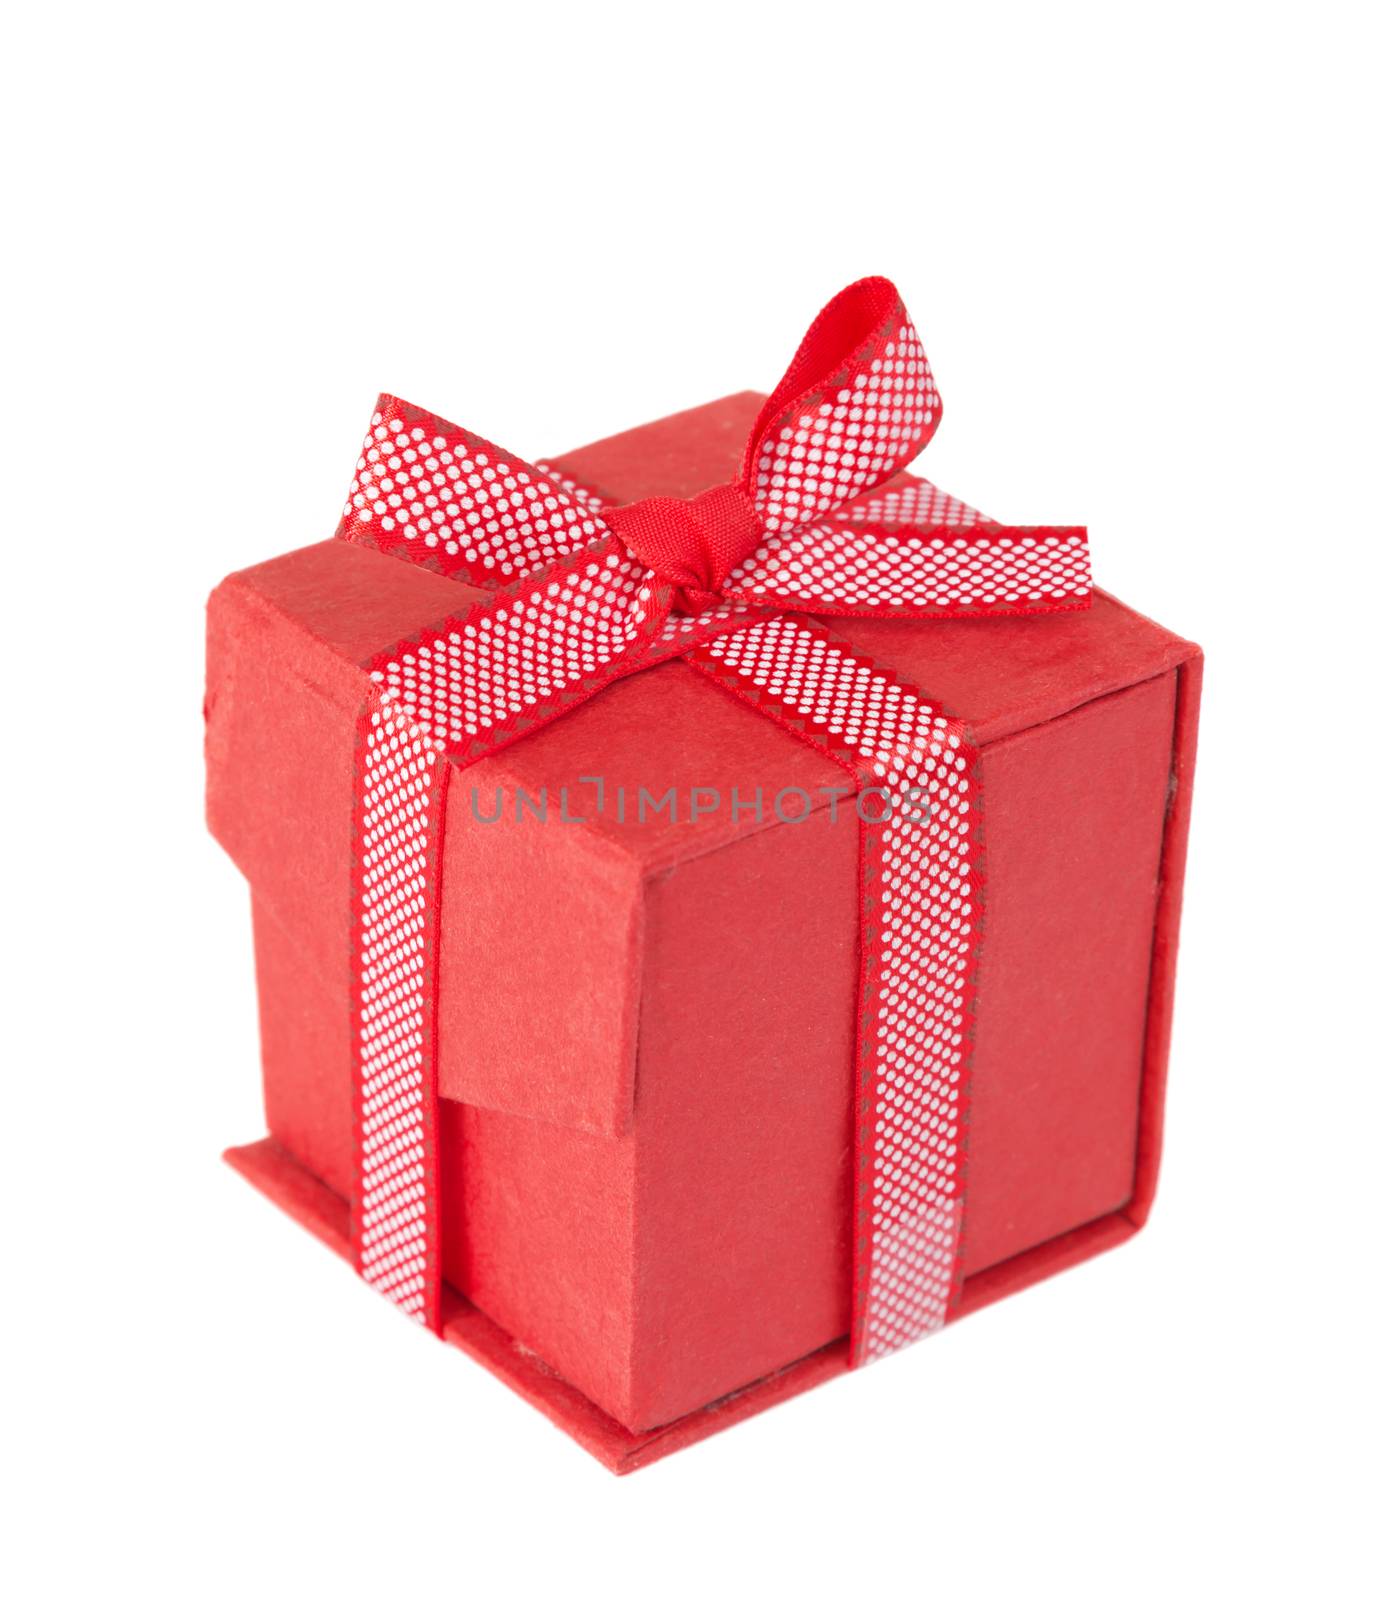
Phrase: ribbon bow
{"type": "Point", "coordinates": [818, 520]}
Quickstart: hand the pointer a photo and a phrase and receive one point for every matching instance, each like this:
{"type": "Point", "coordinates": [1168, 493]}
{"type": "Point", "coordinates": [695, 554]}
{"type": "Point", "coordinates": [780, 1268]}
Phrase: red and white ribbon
{"type": "Point", "coordinates": [587, 593]}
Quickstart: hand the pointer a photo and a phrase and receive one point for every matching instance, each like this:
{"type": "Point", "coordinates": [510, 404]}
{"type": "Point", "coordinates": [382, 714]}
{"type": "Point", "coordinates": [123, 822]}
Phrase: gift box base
{"type": "Point", "coordinates": [301, 1195]}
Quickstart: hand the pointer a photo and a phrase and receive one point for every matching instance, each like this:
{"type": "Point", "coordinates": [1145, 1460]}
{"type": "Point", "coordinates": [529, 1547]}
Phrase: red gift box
{"type": "Point", "coordinates": [646, 997]}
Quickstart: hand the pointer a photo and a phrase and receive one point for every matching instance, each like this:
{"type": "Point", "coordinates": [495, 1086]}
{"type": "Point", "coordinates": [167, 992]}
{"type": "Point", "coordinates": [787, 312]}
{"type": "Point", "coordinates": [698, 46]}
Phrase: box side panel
{"type": "Point", "coordinates": [279, 743]}
{"type": "Point", "coordinates": [743, 1110]}
{"type": "Point", "coordinates": [1073, 820]}
{"type": "Point", "coordinates": [744, 1113]}
{"type": "Point", "coordinates": [1172, 863]}
{"type": "Point", "coordinates": [1054, 1255]}
{"type": "Point", "coordinates": [306, 1065]}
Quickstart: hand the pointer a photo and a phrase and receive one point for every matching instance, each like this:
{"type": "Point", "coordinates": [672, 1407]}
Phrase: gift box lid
{"type": "Point", "coordinates": [544, 895]}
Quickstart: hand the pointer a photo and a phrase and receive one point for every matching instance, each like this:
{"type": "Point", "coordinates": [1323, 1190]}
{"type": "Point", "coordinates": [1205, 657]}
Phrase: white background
{"type": "Point", "coordinates": [1147, 251]}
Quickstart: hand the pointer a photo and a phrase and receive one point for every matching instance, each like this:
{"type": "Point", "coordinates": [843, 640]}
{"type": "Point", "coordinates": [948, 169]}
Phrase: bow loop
{"type": "Point", "coordinates": [441, 497]}
{"type": "Point", "coordinates": [856, 404]}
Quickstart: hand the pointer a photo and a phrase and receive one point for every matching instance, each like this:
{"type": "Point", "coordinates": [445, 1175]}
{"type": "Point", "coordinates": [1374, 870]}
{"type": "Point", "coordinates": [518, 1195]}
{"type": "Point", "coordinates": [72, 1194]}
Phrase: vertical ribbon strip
{"type": "Point", "coordinates": [396, 893]}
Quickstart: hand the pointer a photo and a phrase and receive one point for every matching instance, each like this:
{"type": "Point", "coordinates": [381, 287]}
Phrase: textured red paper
{"type": "Point", "coordinates": [645, 1144]}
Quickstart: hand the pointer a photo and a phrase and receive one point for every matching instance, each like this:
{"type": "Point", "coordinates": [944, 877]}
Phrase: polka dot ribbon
{"type": "Point", "coordinates": [821, 520]}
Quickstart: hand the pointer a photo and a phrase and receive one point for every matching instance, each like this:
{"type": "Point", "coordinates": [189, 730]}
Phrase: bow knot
{"type": "Point", "coordinates": [693, 544]}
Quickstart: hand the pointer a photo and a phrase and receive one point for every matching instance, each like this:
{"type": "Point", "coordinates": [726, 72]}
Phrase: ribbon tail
{"type": "Point", "coordinates": [854, 568]}
{"type": "Point", "coordinates": [429, 492]}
